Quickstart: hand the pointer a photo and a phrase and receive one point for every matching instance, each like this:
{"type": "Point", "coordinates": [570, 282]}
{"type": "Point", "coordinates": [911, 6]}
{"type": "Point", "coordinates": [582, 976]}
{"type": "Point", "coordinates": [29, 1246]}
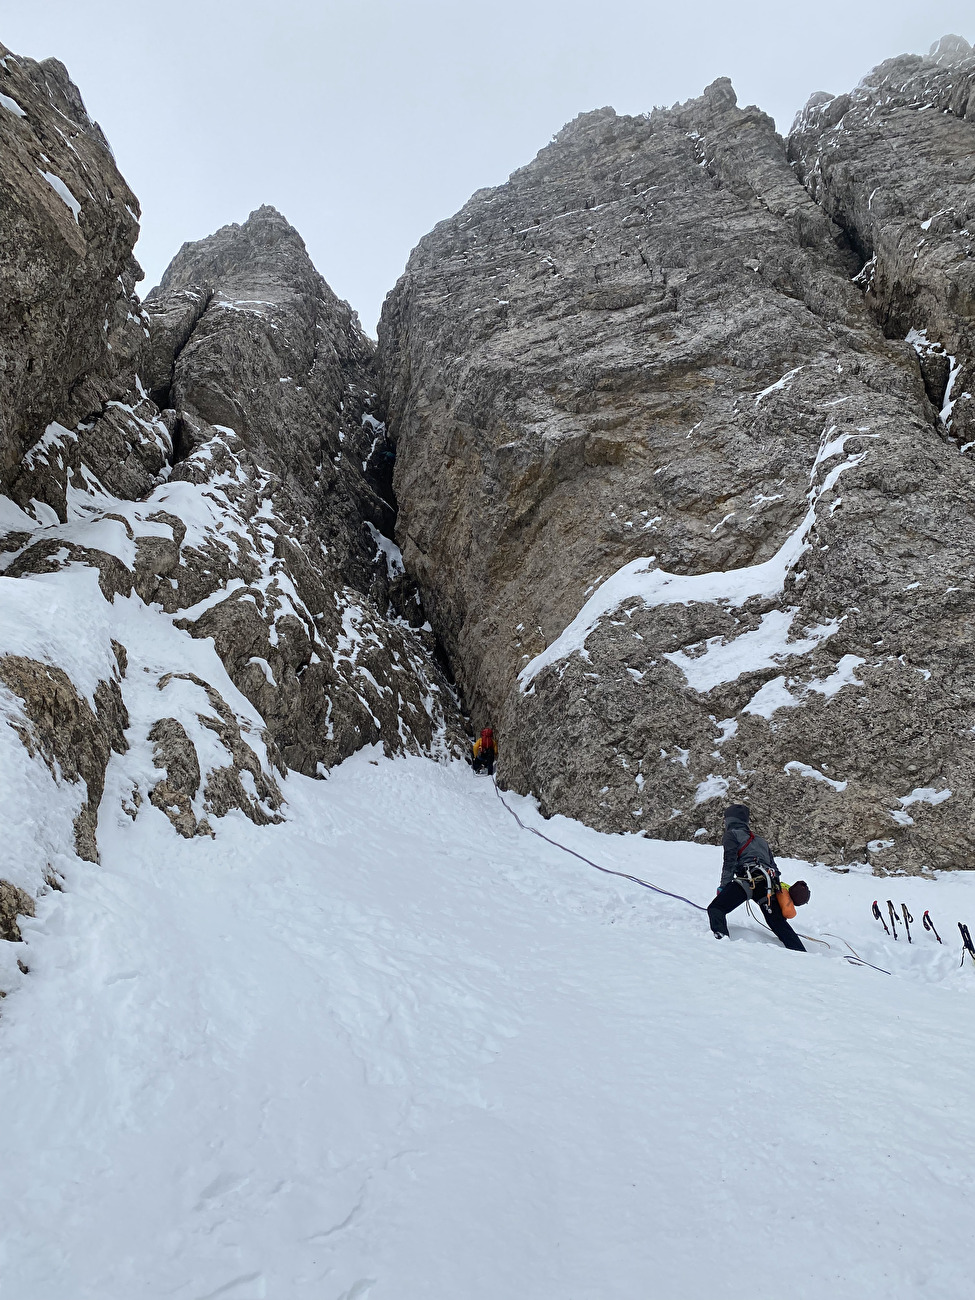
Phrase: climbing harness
{"type": "Point", "coordinates": [749, 881]}
{"type": "Point", "coordinates": [908, 921]}
{"type": "Point", "coordinates": [879, 916]}
{"type": "Point", "coordinates": [754, 870]}
{"type": "Point", "coordinates": [967, 945]}
{"type": "Point", "coordinates": [588, 861]}
{"type": "Point", "coordinates": [929, 925]}
{"type": "Point", "coordinates": [893, 917]}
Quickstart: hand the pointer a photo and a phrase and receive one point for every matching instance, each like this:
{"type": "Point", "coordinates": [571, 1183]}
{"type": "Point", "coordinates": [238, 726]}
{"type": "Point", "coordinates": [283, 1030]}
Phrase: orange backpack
{"type": "Point", "coordinates": [786, 906]}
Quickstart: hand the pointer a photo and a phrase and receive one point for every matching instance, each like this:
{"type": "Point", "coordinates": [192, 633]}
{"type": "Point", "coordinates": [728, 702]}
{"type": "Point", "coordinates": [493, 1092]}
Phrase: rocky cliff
{"type": "Point", "coordinates": [71, 326]}
{"type": "Point", "coordinates": [198, 589]}
{"type": "Point", "coordinates": [893, 164]}
{"type": "Point", "coordinates": [268, 383]}
{"type": "Point", "coordinates": [681, 423]}
{"type": "Point", "coordinates": [685, 516]}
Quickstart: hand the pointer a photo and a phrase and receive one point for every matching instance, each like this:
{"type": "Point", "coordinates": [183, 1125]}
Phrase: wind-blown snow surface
{"type": "Point", "coordinates": [398, 1048]}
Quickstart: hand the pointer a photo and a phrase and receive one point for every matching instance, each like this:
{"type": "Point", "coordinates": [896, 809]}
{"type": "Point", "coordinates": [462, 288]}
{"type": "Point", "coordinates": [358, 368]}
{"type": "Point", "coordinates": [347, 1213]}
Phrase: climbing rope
{"type": "Point", "coordinates": [623, 875]}
{"type": "Point", "coordinates": [811, 937]}
{"type": "Point", "coordinates": [855, 960]}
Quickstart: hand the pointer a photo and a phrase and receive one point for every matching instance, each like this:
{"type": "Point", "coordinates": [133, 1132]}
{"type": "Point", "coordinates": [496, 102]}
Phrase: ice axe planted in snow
{"type": "Point", "coordinates": [967, 945]}
{"type": "Point", "coordinates": [929, 925]}
{"type": "Point", "coordinates": [878, 915]}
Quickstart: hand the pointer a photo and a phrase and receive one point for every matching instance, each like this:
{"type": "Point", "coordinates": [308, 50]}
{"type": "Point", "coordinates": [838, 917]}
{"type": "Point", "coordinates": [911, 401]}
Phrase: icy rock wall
{"type": "Point", "coordinates": [196, 598]}
{"type": "Point", "coordinates": [893, 163]}
{"type": "Point", "coordinates": [70, 324]}
{"type": "Point", "coordinates": [686, 520]}
{"type": "Point", "coordinates": [270, 389]}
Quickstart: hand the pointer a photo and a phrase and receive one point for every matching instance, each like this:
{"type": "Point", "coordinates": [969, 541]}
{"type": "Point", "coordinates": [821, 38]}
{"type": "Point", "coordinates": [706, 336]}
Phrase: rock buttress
{"type": "Point", "coordinates": [655, 457]}
{"type": "Point", "coordinates": [192, 598]}
{"type": "Point", "coordinates": [893, 163]}
{"type": "Point", "coordinates": [271, 387]}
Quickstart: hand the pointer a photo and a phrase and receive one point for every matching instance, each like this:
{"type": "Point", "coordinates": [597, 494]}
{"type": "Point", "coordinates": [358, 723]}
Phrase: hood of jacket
{"type": "Point", "coordinates": [737, 815]}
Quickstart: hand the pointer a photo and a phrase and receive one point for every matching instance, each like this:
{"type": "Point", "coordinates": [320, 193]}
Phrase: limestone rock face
{"type": "Point", "coordinates": [655, 456]}
{"type": "Point", "coordinates": [198, 589]}
{"type": "Point", "coordinates": [73, 737]}
{"type": "Point", "coordinates": [14, 903]}
{"type": "Point", "coordinates": [893, 163]}
{"type": "Point", "coordinates": [270, 388]}
{"type": "Point", "coordinates": [246, 334]}
{"type": "Point", "coordinates": [70, 324]}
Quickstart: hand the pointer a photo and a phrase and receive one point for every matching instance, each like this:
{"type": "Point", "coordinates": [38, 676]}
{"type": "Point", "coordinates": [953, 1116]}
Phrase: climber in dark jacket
{"type": "Point", "coordinates": [749, 872]}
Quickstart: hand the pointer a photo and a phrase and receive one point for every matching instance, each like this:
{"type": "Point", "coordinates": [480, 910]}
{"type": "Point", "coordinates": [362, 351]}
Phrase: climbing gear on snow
{"type": "Point", "coordinates": [929, 925]}
{"type": "Point", "coordinates": [908, 921]}
{"type": "Point", "coordinates": [967, 945]}
{"type": "Point", "coordinates": [856, 959]}
{"type": "Point", "coordinates": [878, 915]}
{"type": "Point", "coordinates": [893, 917]}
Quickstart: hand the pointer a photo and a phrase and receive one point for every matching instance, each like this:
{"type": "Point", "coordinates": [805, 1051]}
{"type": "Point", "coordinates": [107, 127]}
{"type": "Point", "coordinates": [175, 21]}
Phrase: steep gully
{"type": "Point", "coordinates": [200, 484]}
{"type": "Point", "coordinates": [206, 592]}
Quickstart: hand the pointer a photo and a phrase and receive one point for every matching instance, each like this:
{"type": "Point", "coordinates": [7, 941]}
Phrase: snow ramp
{"type": "Point", "coordinates": [397, 1048]}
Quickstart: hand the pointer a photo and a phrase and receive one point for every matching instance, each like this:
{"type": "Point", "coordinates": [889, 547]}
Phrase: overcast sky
{"type": "Point", "coordinates": [367, 121]}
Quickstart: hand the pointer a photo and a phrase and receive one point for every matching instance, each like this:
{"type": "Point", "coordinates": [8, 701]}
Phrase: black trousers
{"type": "Point", "coordinates": [732, 896]}
{"type": "Point", "coordinates": [485, 763]}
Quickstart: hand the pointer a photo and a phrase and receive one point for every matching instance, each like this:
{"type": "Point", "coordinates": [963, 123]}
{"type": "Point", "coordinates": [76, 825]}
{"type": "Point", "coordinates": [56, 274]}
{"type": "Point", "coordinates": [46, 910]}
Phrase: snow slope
{"type": "Point", "coordinates": [398, 1048]}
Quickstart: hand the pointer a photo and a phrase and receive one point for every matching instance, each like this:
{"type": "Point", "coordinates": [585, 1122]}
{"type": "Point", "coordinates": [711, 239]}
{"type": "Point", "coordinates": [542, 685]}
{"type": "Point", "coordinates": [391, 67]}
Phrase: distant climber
{"type": "Point", "coordinates": [750, 874]}
{"type": "Point", "coordinates": [485, 752]}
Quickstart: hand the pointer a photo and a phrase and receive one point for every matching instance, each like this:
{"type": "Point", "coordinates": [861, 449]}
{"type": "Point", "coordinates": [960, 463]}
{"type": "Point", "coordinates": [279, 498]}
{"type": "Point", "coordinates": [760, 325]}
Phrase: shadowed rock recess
{"type": "Point", "coordinates": [198, 588]}
{"type": "Point", "coordinates": [681, 472]}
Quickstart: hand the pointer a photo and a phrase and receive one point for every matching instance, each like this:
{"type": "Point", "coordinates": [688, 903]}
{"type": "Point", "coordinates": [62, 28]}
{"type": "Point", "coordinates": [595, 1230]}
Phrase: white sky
{"type": "Point", "coordinates": [367, 121]}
